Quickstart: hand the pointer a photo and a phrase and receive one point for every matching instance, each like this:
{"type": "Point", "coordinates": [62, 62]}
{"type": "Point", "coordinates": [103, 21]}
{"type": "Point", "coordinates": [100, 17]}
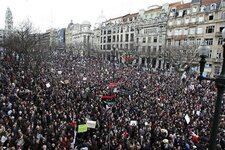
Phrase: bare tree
{"type": "Point", "coordinates": [180, 56]}
{"type": "Point", "coordinates": [22, 41]}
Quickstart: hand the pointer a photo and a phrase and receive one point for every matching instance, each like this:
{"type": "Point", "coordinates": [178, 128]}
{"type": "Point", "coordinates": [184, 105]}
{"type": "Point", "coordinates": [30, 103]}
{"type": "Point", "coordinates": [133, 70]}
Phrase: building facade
{"type": "Point", "coordinates": [79, 38]}
{"type": "Point", "coordinates": [192, 23]}
{"type": "Point", "coordinates": [8, 20]}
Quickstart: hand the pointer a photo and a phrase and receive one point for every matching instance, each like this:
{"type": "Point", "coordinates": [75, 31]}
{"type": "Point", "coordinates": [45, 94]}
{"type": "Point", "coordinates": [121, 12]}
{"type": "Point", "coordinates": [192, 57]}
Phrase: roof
{"type": "Point", "coordinates": [130, 15]}
{"type": "Point", "coordinates": [207, 2]}
{"type": "Point", "coordinates": [174, 4]}
{"type": "Point", "coordinates": [183, 6]}
{"type": "Point", "coordinates": [154, 9]}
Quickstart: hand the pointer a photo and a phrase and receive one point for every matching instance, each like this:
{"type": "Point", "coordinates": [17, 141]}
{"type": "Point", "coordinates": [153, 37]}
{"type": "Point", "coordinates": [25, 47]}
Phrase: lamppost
{"type": "Point", "coordinates": [220, 84]}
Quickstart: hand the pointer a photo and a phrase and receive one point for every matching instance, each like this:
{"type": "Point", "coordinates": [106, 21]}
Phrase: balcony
{"type": "Point", "coordinates": [218, 34]}
{"type": "Point", "coordinates": [217, 60]}
{"type": "Point", "coordinates": [179, 37]}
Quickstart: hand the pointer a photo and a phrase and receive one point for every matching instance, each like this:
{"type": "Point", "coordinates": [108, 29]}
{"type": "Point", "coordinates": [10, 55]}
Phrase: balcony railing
{"type": "Point", "coordinates": [218, 34]}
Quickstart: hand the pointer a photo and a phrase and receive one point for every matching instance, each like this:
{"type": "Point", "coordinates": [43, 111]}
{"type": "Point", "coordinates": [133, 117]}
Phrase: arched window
{"type": "Point", "coordinates": [203, 9]}
{"type": "Point", "coordinates": [213, 6]}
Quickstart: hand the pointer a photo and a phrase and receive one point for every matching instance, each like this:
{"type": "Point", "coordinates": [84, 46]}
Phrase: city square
{"type": "Point", "coordinates": [150, 80]}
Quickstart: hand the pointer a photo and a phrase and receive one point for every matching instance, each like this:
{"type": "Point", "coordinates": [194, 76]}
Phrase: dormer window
{"type": "Point", "coordinates": [213, 6]}
{"type": "Point", "coordinates": [194, 9]}
{"type": "Point", "coordinates": [180, 13]}
{"type": "Point", "coordinates": [203, 9]}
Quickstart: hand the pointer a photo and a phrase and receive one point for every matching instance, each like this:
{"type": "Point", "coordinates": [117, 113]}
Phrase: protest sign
{"type": "Point", "coordinates": [187, 118]}
{"type": "Point", "coordinates": [133, 123]}
{"type": "Point", "coordinates": [82, 128]}
{"type": "Point", "coordinates": [91, 124]}
{"type": "Point", "coordinates": [48, 85]}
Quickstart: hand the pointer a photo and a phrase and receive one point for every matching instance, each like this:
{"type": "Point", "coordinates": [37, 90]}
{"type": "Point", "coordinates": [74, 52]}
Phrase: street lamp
{"type": "Point", "coordinates": [220, 84]}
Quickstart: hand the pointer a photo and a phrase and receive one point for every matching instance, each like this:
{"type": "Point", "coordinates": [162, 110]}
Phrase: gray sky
{"type": "Point", "coordinates": [45, 14]}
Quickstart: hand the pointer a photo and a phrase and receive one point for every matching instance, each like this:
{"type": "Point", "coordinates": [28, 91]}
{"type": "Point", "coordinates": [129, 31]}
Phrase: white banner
{"type": "Point", "coordinates": [91, 124]}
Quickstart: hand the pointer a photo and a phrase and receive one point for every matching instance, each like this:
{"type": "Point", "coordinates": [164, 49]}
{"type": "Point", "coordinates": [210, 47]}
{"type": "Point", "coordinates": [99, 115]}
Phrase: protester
{"type": "Point", "coordinates": [138, 109]}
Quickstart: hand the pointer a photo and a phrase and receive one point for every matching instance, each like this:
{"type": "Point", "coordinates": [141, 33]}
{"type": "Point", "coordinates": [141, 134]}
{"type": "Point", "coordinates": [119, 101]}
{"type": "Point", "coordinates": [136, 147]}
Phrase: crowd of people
{"type": "Point", "coordinates": [147, 110]}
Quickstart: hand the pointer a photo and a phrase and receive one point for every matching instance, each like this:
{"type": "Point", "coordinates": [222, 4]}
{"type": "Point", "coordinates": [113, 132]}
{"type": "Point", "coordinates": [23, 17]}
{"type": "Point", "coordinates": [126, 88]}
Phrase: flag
{"type": "Point", "coordinates": [113, 84]}
{"type": "Point", "coordinates": [82, 128]}
{"type": "Point", "coordinates": [107, 96]}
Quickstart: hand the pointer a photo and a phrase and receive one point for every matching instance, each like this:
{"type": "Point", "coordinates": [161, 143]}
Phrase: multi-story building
{"type": "Point", "coordinates": [79, 37]}
{"type": "Point", "coordinates": [8, 20]}
{"type": "Point", "coordinates": [1, 35]}
{"type": "Point", "coordinates": [191, 23]}
{"type": "Point", "coordinates": [151, 34]}
{"type": "Point", "coordinates": [119, 33]}
{"type": "Point", "coordinates": [140, 35]}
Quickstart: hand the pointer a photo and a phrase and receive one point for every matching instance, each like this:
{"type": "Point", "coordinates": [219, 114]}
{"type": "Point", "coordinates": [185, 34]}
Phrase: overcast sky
{"type": "Point", "coordinates": [45, 14]}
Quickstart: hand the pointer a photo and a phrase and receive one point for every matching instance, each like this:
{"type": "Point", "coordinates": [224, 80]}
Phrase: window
{"type": "Point", "coordinates": [213, 6]}
{"type": "Point", "coordinates": [218, 55]}
{"type": "Point", "coordinates": [201, 18]}
{"type": "Point", "coordinates": [194, 9]}
{"type": "Point", "coordinates": [149, 48]}
{"type": "Point", "coordinates": [108, 47]}
{"type": "Point", "coordinates": [203, 9]}
{"type": "Point", "coordinates": [117, 39]}
{"type": "Point", "coordinates": [144, 40]}
{"type": "Point", "coordinates": [193, 19]}
{"type": "Point", "coordinates": [131, 37]}
{"type": "Point", "coordinates": [131, 46]}
{"type": "Point", "coordinates": [210, 29]}
{"type": "Point", "coordinates": [169, 32]}
{"type": "Point", "coordinates": [223, 15]}
{"type": "Point", "coordinates": [178, 22]}
{"type": "Point", "coordinates": [127, 37]}
{"type": "Point", "coordinates": [160, 49]}
{"type": "Point", "coordinates": [186, 31]}
{"type": "Point", "coordinates": [121, 30]}
{"type": "Point", "coordinates": [192, 30]}
{"type": "Point", "coordinates": [186, 20]}
{"type": "Point", "coordinates": [220, 41]}
{"type": "Point", "coordinates": [199, 41]}
{"type": "Point", "coordinates": [121, 38]}
{"type": "Point", "coordinates": [168, 42]}
{"type": "Point", "coordinates": [217, 70]}
{"type": "Point", "coordinates": [143, 48]}
{"type": "Point", "coordinates": [131, 29]}
{"type": "Point", "coordinates": [109, 31]}
{"type": "Point", "coordinates": [104, 32]}
{"type": "Point", "coordinates": [177, 43]}
{"type": "Point", "coordinates": [104, 39]}
{"type": "Point", "coordinates": [180, 13]}
{"type": "Point", "coordinates": [155, 40]}
{"type": "Point", "coordinates": [200, 31]}
{"type": "Point", "coordinates": [209, 41]}
{"type": "Point", "coordinates": [114, 38]}
{"type": "Point", "coordinates": [154, 49]}
{"type": "Point", "coordinates": [109, 39]}
{"type": "Point", "coordinates": [149, 39]}
{"type": "Point", "coordinates": [160, 39]}
{"type": "Point", "coordinates": [210, 16]}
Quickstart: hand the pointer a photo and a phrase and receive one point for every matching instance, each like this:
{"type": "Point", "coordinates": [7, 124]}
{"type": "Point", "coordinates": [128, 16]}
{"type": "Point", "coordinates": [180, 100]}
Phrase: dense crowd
{"type": "Point", "coordinates": [44, 112]}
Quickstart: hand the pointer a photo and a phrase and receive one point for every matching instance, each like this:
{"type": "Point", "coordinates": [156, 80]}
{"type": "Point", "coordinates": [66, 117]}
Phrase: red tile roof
{"type": "Point", "coordinates": [207, 2]}
{"type": "Point", "coordinates": [183, 6]}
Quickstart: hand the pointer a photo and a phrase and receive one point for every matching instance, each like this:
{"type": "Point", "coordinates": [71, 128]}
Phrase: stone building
{"type": "Point", "coordinates": [192, 23]}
